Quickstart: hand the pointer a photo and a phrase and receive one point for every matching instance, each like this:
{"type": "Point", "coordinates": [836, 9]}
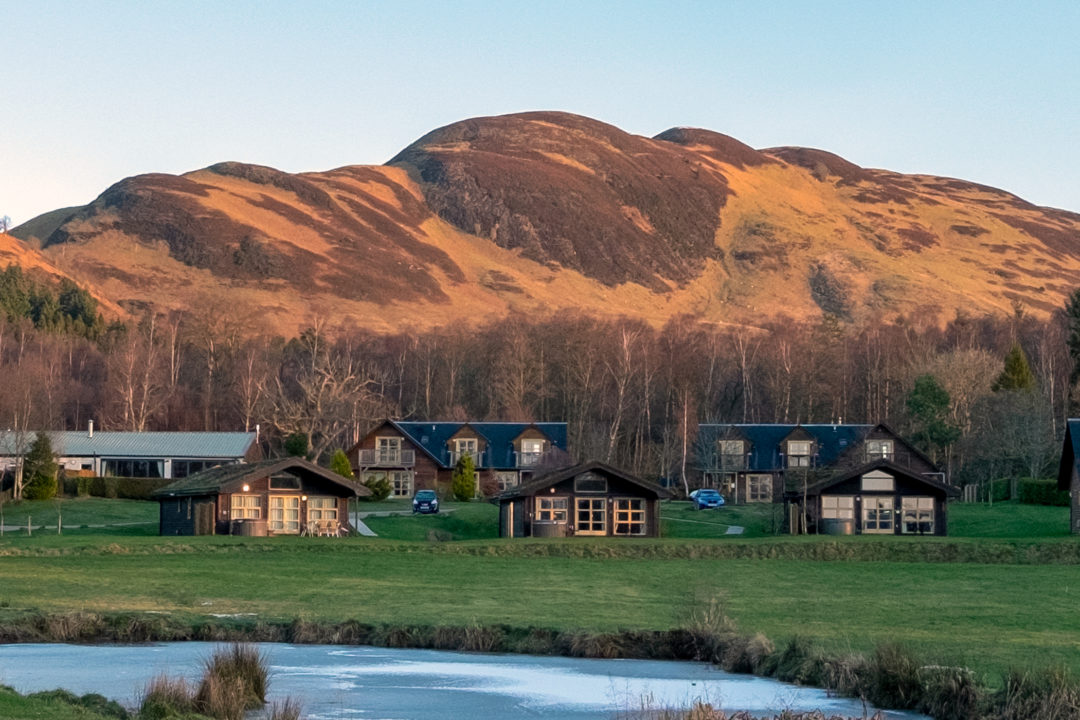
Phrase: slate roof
{"type": "Point", "coordinates": [832, 441]}
{"type": "Point", "coordinates": [886, 465]}
{"type": "Point", "coordinates": [1070, 451]}
{"type": "Point", "coordinates": [218, 479]}
{"type": "Point", "coordinates": [432, 438]}
{"type": "Point", "coordinates": [105, 443]}
{"type": "Point", "coordinates": [558, 476]}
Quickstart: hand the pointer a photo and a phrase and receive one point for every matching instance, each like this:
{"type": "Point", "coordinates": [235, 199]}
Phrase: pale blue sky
{"type": "Point", "coordinates": [91, 92]}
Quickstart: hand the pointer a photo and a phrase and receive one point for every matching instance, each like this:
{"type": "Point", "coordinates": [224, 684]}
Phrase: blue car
{"type": "Point", "coordinates": [706, 498]}
{"type": "Point", "coordinates": [425, 502]}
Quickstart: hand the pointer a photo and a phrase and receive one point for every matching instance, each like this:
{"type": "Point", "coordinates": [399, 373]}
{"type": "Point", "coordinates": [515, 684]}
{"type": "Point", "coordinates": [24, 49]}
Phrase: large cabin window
{"type": "Point", "coordinates": [466, 446]}
{"type": "Point", "coordinates": [551, 509]}
{"type": "Point", "coordinates": [322, 508]}
{"type": "Point", "coordinates": [798, 453]}
{"type": "Point", "coordinates": [245, 507]}
{"type": "Point", "coordinates": [134, 468]}
{"type": "Point", "coordinates": [629, 516]}
{"type": "Point", "coordinates": [759, 488]}
{"type": "Point", "coordinates": [917, 515]}
{"type": "Point", "coordinates": [838, 507]}
{"type": "Point", "coordinates": [878, 514]}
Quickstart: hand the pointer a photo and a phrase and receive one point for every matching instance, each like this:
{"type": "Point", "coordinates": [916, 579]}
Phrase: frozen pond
{"type": "Point", "coordinates": [334, 681]}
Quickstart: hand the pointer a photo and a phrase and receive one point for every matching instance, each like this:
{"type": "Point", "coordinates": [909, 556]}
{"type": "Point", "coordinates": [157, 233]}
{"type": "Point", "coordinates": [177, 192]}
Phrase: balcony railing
{"type": "Point", "coordinates": [477, 457]}
{"type": "Point", "coordinates": [387, 458]}
{"type": "Point", "coordinates": [526, 459]}
{"type": "Point", "coordinates": [904, 459]}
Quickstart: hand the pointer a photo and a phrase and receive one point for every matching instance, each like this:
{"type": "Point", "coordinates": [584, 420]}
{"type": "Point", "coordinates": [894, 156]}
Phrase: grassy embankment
{"type": "Point", "coordinates": [987, 611]}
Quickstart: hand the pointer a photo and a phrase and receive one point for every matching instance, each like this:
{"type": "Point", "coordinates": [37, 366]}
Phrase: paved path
{"type": "Point", "coordinates": [363, 529]}
{"type": "Point", "coordinates": [731, 529]}
{"type": "Point", "coordinates": [388, 513]}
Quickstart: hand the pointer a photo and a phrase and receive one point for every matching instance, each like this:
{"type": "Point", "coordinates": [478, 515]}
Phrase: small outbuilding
{"type": "Point", "coordinates": [288, 496]}
{"type": "Point", "coordinates": [591, 499]}
{"type": "Point", "coordinates": [879, 498]}
{"type": "Point", "coordinates": [1069, 472]}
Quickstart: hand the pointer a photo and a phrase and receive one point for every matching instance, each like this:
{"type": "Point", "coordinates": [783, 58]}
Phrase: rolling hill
{"type": "Point", "coordinates": [544, 212]}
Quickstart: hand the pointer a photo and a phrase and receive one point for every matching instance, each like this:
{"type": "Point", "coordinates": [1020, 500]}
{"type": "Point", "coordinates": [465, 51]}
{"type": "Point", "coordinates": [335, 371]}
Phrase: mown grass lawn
{"type": "Point", "coordinates": [988, 616]}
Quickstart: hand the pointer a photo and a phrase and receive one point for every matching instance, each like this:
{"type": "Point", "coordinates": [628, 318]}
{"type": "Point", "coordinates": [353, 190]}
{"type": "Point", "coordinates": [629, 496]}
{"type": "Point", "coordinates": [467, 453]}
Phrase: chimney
{"type": "Point", "coordinates": [90, 429]}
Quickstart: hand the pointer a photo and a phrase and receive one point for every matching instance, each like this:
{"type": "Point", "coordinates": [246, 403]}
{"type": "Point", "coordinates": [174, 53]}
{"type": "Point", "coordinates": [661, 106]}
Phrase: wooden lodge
{"type": "Point", "coordinates": [420, 455]}
{"type": "Point", "coordinates": [591, 500]}
{"type": "Point", "coordinates": [288, 496]}
{"type": "Point", "coordinates": [1069, 472]}
{"type": "Point", "coordinates": [879, 498]}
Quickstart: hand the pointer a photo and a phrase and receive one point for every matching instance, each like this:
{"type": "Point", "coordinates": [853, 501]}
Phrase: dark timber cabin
{"type": "Point", "coordinates": [1069, 473]}
{"type": "Point", "coordinates": [591, 499]}
{"type": "Point", "coordinates": [879, 498]}
{"type": "Point", "coordinates": [289, 496]}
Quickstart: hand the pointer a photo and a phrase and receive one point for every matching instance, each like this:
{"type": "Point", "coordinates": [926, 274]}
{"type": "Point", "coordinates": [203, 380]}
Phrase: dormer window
{"type": "Point", "coordinates": [466, 446]}
{"type": "Point", "coordinates": [798, 453]}
{"type": "Point", "coordinates": [879, 450]}
{"type": "Point", "coordinates": [732, 454]}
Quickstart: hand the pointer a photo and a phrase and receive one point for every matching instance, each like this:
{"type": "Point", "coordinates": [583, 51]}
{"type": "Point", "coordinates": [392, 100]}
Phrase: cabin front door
{"type": "Point", "coordinates": [284, 514]}
{"type": "Point", "coordinates": [591, 516]}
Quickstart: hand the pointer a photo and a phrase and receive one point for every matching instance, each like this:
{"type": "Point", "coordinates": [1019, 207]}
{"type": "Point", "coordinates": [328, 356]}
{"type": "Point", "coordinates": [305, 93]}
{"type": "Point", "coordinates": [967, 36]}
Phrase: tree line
{"type": "Point", "coordinates": [983, 395]}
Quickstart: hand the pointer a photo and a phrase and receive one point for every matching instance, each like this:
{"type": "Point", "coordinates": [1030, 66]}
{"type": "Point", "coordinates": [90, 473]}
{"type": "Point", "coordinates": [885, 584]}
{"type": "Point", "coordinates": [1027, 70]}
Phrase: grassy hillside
{"type": "Point", "coordinates": [541, 213]}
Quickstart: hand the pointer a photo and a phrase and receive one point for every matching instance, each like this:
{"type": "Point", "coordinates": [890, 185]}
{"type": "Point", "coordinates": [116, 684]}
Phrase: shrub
{"type": "Point", "coordinates": [1038, 491]}
{"type": "Point", "coordinates": [287, 709]}
{"type": "Point", "coordinates": [340, 464]}
{"type": "Point", "coordinates": [40, 469]}
{"type": "Point", "coordinates": [463, 478]}
{"type": "Point", "coordinates": [380, 488]}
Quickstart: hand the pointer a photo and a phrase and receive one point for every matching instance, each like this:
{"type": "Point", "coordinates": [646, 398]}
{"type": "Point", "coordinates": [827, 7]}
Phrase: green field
{"type": "Point", "coordinates": [987, 616]}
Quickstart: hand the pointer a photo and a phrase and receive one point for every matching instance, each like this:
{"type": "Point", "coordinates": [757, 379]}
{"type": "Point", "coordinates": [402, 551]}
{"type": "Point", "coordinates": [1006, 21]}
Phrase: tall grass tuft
{"type": "Point", "coordinates": [893, 678]}
{"type": "Point", "coordinates": [287, 709]}
{"type": "Point", "coordinates": [1050, 695]}
{"type": "Point", "coordinates": [235, 679]}
{"type": "Point", "coordinates": [166, 697]}
{"type": "Point", "coordinates": [949, 693]}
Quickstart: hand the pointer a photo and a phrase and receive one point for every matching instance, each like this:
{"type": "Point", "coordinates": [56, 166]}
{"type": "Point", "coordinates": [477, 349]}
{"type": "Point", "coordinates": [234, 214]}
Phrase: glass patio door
{"type": "Point", "coordinates": [284, 514]}
{"type": "Point", "coordinates": [591, 516]}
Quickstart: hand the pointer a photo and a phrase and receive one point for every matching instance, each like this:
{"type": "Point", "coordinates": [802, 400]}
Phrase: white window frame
{"type": "Point", "coordinates": [289, 521]}
{"type": "Point", "coordinates": [799, 452]}
{"type": "Point", "coordinates": [759, 488]}
{"type": "Point", "coordinates": [388, 449]}
{"type": "Point", "coordinates": [877, 481]}
{"type": "Point", "coordinates": [838, 507]}
{"type": "Point", "coordinates": [322, 508]}
{"type": "Point", "coordinates": [878, 515]}
{"type": "Point", "coordinates": [879, 449]}
{"type": "Point", "coordinates": [401, 483]}
{"type": "Point", "coordinates": [919, 510]}
{"type": "Point", "coordinates": [242, 507]}
{"type": "Point", "coordinates": [630, 516]}
{"type": "Point", "coordinates": [554, 509]}
{"type": "Point", "coordinates": [507, 479]}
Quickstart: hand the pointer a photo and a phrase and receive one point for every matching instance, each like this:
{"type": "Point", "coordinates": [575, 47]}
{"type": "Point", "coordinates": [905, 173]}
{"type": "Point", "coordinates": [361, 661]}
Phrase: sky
{"type": "Point", "coordinates": [92, 92]}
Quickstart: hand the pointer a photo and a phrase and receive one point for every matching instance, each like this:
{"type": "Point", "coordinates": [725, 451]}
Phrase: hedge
{"type": "Point", "coordinates": [1038, 491]}
{"type": "Point", "coordinates": [113, 487]}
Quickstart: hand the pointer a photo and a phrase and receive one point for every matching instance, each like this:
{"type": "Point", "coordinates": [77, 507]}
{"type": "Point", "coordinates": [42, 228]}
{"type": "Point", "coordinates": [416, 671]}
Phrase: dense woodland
{"type": "Point", "coordinates": [983, 395]}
